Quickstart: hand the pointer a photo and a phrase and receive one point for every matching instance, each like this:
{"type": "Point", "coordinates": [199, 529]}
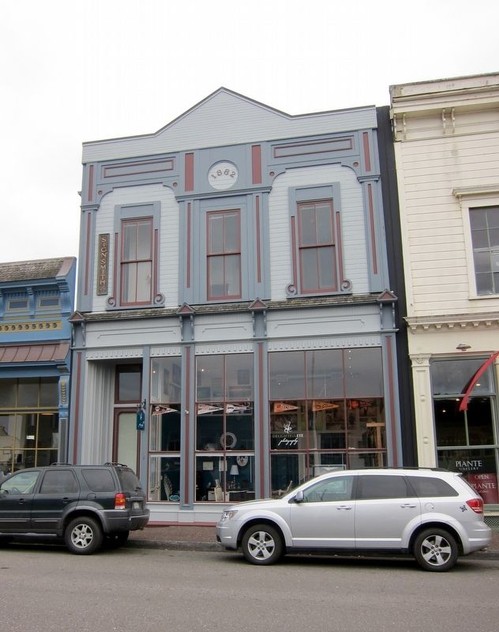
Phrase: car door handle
{"type": "Point", "coordinates": [344, 507]}
{"type": "Point", "coordinates": [408, 506]}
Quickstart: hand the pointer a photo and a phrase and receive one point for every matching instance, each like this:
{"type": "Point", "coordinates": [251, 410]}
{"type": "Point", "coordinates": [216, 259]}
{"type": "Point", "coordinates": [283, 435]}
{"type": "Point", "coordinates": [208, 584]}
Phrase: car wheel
{"type": "Point", "coordinates": [262, 544]}
{"type": "Point", "coordinates": [115, 540]}
{"type": "Point", "coordinates": [436, 550]}
{"type": "Point", "coordinates": [83, 535]}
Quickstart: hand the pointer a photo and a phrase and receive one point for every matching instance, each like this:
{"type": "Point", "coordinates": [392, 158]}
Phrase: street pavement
{"type": "Point", "coordinates": [203, 538]}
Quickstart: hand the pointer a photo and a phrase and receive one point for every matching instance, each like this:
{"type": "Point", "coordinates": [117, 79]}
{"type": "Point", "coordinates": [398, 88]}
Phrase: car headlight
{"type": "Point", "coordinates": [228, 515]}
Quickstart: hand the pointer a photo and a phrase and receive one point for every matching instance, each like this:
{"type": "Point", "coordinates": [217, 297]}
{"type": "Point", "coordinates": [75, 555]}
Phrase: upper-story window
{"type": "Point", "coordinates": [317, 259]}
{"type": "Point", "coordinates": [317, 246]}
{"type": "Point", "coordinates": [484, 224]}
{"type": "Point", "coordinates": [136, 261]}
{"type": "Point", "coordinates": [224, 254]}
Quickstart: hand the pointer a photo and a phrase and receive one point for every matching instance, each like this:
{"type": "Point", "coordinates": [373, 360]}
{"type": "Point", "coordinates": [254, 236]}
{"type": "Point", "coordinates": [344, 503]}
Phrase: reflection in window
{"type": "Point", "coordinates": [335, 419]}
{"type": "Point", "coordinates": [224, 427]}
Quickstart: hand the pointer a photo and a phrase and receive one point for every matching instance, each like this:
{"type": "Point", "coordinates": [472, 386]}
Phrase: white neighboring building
{"type": "Point", "coordinates": [446, 136]}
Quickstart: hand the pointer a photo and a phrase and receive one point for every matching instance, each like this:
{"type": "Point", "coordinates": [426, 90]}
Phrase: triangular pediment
{"type": "Point", "coordinates": [227, 118]}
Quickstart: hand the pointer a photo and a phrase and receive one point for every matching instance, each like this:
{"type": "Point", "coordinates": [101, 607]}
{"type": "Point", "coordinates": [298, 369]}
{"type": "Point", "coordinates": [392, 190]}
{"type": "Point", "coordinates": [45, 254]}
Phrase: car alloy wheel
{"type": "Point", "coordinates": [83, 535]}
{"type": "Point", "coordinates": [262, 544]}
{"type": "Point", "coordinates": [436, 550]}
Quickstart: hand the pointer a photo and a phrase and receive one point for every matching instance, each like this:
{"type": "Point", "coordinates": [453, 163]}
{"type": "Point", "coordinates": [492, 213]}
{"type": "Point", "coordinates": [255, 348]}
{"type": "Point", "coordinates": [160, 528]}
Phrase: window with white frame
{"type": "Point", "coordinates": [484, 224]}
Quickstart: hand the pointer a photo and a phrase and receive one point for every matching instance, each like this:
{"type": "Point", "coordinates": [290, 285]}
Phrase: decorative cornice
{"type": "Point", "coordinates": [489, 320]}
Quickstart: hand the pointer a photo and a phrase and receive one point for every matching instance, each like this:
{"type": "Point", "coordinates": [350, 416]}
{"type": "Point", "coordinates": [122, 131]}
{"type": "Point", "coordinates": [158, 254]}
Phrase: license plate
{"type": "Point", "coordinates": [136, 505]}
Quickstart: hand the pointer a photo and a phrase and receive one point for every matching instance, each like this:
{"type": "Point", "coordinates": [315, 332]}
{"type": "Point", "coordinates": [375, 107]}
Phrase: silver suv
{"type": "Point", "coordinates": [434, 515]}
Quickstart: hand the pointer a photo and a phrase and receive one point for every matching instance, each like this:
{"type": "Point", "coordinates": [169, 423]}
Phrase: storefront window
{"type": "Point", "coordinates": [165, 433]}
{"type": "Point", "coordinates": [466, 439]}
{"type": "Point", "coordinates": [30, 437]}
{"type": "Point", "coordinates": [337, 421]}
{"type": "Point", "coordinates": [225, 437]}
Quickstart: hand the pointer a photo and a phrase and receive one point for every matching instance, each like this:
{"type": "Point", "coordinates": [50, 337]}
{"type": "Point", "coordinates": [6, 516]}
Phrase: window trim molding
{"type": "Point", "coordinates": [123, 213]}
{"type": "Point", "coordinates": [298, 195]}
{"type": "Point", "coordinates": [474, 198]}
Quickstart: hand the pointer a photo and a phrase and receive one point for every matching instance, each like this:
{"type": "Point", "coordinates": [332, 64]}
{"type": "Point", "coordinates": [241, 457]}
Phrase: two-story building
{"type": "Point", "coordinates": [36, 301]}
{"type": "Point", "coordinates": [446, 136]}
{"type": "Point", "coordinates": [236, 325]}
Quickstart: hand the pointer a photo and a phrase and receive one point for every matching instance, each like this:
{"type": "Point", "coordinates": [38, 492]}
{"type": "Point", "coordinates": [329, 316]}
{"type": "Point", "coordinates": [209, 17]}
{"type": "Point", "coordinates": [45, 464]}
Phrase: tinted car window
{"type": "Point", "coordinates": [425, 486]}
{"type": "Point", "coordinates": [99, 480]}
{"type": "Point", "coordinates": [334, 489]}
{"type": "Point", "coordinates": [373, 487]}
{"type": "Point", "coordinates": [129, 482]}
{"type": "Point", "coordinates": [59, 482]}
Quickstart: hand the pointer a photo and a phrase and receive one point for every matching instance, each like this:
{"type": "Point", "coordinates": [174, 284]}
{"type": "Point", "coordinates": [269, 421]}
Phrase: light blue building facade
{"type": "Point", "coordinates": [236, 328]}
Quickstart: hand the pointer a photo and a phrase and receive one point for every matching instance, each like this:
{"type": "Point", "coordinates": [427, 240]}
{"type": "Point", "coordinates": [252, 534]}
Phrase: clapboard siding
{"type": "Point", "coordinates": [227, 118]}
{"type": "Point", "coordinates": [352, 223]}
{"type": "Point", "coordinates": [437, 271]}
{"type": "Point", "coordinates": [168, 234]}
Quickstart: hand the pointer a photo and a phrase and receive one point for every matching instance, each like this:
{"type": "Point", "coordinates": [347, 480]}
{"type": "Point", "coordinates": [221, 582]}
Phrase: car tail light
{"type": "Point", "coordinates": [120, 501]}
{"type": "Point", "coordinates": [476, 504]}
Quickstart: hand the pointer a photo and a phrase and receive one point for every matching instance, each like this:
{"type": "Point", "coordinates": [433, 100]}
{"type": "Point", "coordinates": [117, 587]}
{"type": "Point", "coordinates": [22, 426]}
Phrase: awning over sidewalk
{"type": "Point", "coordinates": [44, 352]}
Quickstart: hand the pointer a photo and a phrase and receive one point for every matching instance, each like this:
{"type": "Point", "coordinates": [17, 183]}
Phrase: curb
{"type": "Point", "coordinates": [180, 545]}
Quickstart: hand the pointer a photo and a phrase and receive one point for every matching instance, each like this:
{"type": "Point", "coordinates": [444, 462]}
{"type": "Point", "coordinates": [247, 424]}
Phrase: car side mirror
{"type": "Point", "coordinates": [298, 497]}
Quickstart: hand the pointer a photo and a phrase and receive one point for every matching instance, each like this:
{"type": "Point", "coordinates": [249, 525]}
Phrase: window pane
{"type": "Point", "coordinates": [144, 242]}
{"type": "Point", "coordinates": [7, 393]}
{"type": "Point", "coordinates": [166, 380]}
{"type": "Point", "coordinates": [309, 269]}
{"type": "Point", "coordinates": [233, 275]}
{"type": "Point", "coordinates": [239, 377]}
{"type": "Point", "coordinates": [327, 272]}
{"type": "Point", "coordinates": [28, 392]}
{"type": "Point", "coordinates": [449, 422]}
{"type": "Point", "coordinates": [482, 261]}
{"type": "Point", "coordinates": [325, 374]}
{"type": "Point", "coordinates": [129, 242]}
{"type": "Point", "coordinates": [308, 235]}
{"type": "Point", "coordinates": [287, 375]}
{"type": "Point", "coordinates": [165, 430]}
{"type": "Point", "coordinates": [363, 373]}
{"type": "Point", "coordinates": [49, 392]}
{"type": "Point", "coordinates": [129, 282]}
{"type": "Point", "coordinates": [129, 385]}
{"type": "Point", "coordinates": [451, 377]}
{"type": "Point", "coordinates": [144, 281]}
{"type": "Point", "coordinates": [324, 224]}
{"type": "Point", "coordinates": [209, 382]}
{"type": "Point", "coordinates": [232, 233]}
{"type": "Point", "coordinates": [215, 234]}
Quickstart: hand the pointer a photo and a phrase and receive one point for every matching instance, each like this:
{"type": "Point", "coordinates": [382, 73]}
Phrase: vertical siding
{"type": "Point", "coordinates": [353, 225]}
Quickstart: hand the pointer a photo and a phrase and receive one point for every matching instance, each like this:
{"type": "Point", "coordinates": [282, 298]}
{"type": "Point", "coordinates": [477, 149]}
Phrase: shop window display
{"type": "Point", "coordinates": [336, 422]}
{"type": "Point", "coordinates": [467, 439]}
{"type": "Point", "coordinates": [224, 428]}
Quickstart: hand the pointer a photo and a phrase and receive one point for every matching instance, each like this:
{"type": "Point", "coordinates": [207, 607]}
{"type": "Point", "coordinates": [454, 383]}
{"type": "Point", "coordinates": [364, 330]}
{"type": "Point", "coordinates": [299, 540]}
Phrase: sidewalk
{"type": "Point", "coordinates": [203, 538]}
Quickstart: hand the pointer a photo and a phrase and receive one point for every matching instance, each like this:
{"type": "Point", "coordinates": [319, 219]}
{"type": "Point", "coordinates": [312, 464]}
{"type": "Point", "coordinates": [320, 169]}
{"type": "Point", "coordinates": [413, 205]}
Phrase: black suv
{"type": "Point", "coordinates": [85, 505]}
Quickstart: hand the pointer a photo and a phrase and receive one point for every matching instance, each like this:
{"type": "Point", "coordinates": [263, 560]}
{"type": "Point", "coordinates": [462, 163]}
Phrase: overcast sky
{"type": "Point", "coordinates": [79, 70]}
